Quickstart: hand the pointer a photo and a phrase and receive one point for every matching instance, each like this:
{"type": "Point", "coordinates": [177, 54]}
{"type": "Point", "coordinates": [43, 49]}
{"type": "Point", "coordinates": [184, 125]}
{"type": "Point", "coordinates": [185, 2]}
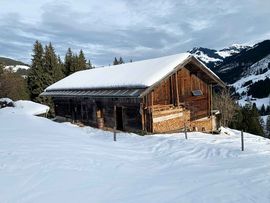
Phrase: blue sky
{"type": "Point", "coordinates": [133, 29]}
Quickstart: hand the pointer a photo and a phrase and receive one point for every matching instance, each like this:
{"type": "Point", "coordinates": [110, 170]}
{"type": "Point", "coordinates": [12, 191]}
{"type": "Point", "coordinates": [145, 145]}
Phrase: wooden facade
{"type": "Point", "coordinates": [181, 99]}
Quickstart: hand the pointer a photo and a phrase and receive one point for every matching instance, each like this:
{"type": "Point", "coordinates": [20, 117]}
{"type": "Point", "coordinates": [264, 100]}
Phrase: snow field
{"type": "Point", "coordinates": [44, 161]}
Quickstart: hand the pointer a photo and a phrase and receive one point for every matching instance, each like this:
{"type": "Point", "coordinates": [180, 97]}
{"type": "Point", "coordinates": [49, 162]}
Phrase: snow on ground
{"type": "Point", "coordinates": [259, 102]}
{"type": "Point", "coordinates": [205, 58]}
{"type": "Point", "coordinates": [16, 67]}
{"type": "Point", "coordinates": [7, 100]}
{"type": "Point", "coordinates": [44, 161]}
{"type": "Point", "coordinates": [25, 107]}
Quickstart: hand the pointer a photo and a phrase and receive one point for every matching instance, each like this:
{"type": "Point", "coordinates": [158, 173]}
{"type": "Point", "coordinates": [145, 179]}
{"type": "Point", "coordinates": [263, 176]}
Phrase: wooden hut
{"type": "Point", "coordinates": [157, 95]}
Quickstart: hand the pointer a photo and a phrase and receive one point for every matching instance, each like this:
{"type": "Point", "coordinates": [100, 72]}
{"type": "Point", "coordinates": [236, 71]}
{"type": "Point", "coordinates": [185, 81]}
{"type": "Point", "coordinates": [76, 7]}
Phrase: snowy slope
{"type": "Point", "coordinates": [258, 71]}
{"type": "Point", "coordinates": [15, 68]}
{"type": "Point", "coordinates": [43, 161]}
{"type": "Point", "coordinates": [229, 51]}
{"type": "Point", "coordinates": [214, 57]}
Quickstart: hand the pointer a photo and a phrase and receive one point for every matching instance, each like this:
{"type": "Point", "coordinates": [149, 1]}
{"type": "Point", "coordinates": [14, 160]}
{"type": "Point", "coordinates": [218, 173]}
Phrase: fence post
{"type": "Point", "coordinates": [114, 135]}
{"type": "Point", "coordinates": [242, 140]}
{"type": "Point", "coordinates": [185, 131]}
{"type": "Point", "coordinates": [114, 129]}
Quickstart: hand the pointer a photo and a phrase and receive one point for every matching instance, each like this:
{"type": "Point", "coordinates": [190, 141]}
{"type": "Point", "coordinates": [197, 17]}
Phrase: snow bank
{"type": "Point", "coordinates": [25, 107]}
{"type": "Point", "coordinates": [7, 100]}
{"type": "Point", "coordinates": [44, 161]}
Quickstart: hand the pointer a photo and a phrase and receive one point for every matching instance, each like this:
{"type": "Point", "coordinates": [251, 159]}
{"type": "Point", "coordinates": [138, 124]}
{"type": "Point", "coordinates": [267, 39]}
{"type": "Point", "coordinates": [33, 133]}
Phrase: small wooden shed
{"type": "Point", "coordinates": [157, 95]}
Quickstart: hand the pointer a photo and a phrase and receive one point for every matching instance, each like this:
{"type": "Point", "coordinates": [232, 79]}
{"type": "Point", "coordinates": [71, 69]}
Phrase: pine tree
{"type": "Point", "coordinates": [89, 65]}
{"type": "Point", "coordinates": [267, 111]}
{"type": "Point", "coordinates": [115, 62]}
{"type": "Point", "coordinates": [251, 120]}
{"type": "Point", "coordinates": [75, 64]}
{"type": "Point", "coordinates": [52, 72]}
{"type": "Point", "coordinates": [68, 62]}
{"type": "Point", "coordinates": [82, 65]}
{"type": "Point", "coordinates": [36, 80]}
{"type": "Point", "coordinates": [120, 61]}
{"type": "Point", "coordinates": [268, 126]}
{"type": "Point", "coordinates": [51, 68]}
{"type": "Point", "coordinates": [263, 111]}
{"type": "Point", "coordinates": [61, 66]}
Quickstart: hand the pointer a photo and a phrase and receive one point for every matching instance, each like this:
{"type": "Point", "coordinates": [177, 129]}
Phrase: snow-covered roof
{"type": "Point", "coordinates": [143, 74]}
{"type": "Point", "coordinates": [136, 74]}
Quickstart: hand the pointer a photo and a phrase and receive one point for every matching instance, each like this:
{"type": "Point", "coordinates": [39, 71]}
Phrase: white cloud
{"type": "Point", "coordinates": [130, 28]}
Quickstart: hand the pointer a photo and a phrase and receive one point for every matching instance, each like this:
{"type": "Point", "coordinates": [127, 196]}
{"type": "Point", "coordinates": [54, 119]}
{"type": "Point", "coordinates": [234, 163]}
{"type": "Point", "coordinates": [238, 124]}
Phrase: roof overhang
{"type": "Point", "coordinates": [95, 93]}
{"type": "Point", "coordinates": [209, 76]}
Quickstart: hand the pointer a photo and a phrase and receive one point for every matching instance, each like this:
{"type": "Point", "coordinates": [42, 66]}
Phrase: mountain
{"type": "Point", "coordinates": [213, 58]}
{"type": "Point", "coordinates": [245, 68]}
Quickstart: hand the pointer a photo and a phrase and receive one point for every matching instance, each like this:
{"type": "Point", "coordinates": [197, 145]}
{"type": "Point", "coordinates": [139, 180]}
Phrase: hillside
{"type": "Point", "coordinates": [44, 161]}
{"type": "Point", "coordinates": [10, 62]}
{"type": "Point", "coordinates": [246, 68]}
{"type": "Point", "coordinates": [15, 66]}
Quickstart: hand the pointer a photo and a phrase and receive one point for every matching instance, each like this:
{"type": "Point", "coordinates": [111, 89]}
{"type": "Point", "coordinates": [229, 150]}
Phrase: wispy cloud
{"type": "Point", "coordinates": [133, 29]}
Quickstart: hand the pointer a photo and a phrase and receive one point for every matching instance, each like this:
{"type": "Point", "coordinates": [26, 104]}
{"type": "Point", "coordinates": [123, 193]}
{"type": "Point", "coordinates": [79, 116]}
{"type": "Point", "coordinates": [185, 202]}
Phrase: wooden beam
{"type": "Point", "coordinates": [142, 114]}
{"type": "Point", "coordinates": [152, 99]}
{"type": "Point", "coordinates": [151, 112]}
{"type": "Point", "coordinates": [177, 92]}
{"type": "Point", "coordinates": [171, 90]}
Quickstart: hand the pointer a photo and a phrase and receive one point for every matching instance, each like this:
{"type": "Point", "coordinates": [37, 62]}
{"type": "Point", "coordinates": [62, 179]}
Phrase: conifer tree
{"type": "Point", "coordinates": [120, 61]}
{"type": "Point", "coordinates": [268, 126]}
{"type": "Point", "coordinates": [251, 120]}
{"type": "Point", "coordinates": [115, 61]}
{"type": "Point", "coordinates": [267, 111]}
{"type": "Point", "coordinates": [263, 111]}
{"type": "Point", "coordinates": [36, 80]}
{"type": "Point", "coordinates": [52, 70]}
{"type": "Point", "coordinates": [61, 66]}
{"type": "Point", "coordinates": [82, 65]}
{"type": "Point", "coordinates": [89, 65]}
{"type": "Point", "coordinates": [75, 64]}
{"type": "Point", "coordinates": [68, 62]}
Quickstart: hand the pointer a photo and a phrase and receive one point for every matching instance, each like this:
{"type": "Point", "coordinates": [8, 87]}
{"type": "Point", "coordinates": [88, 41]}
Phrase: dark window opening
{"type": "Point", "coordinates": [197, 93]}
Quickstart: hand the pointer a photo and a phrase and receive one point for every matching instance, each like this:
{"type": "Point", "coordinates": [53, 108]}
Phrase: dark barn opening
{"type": "Point", "coordinates": [119, 118]}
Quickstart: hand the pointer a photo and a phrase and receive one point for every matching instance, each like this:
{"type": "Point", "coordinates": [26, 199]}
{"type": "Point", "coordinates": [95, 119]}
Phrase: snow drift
{"type": "Point", "coordinates": [44, 161]}
{"type": "Point", "coordinates": [24, 107]}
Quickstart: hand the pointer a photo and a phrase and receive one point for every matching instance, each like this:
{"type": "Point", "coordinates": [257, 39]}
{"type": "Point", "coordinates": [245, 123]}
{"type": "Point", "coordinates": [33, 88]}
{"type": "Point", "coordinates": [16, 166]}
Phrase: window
{"type": "Point", "coordinates": [197, 93]}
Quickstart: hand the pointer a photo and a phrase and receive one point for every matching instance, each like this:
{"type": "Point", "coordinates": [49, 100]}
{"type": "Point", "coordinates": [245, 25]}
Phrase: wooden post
{"type": "Point", "coordinates": [171, 90]}
{"type": "Point", "coordinates": [151, 113]}
{"type": "Point", "coordinates": [185, 131]}
{"type": "Point", "coordinates": [242, 140]}
{"type": "Point", "coordinates": [115, 124]}
{"type": "Point", "coordinates": [142, 114]}
{"type": "Point", "coordinates": [176, 86]}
